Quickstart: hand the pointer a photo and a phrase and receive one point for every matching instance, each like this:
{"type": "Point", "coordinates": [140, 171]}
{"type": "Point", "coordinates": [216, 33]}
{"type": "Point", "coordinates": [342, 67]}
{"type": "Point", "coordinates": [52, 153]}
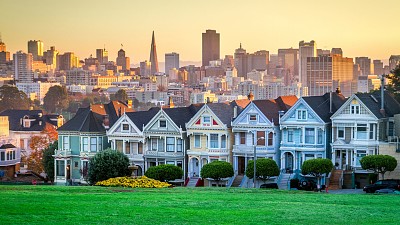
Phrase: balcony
{"type": "Point", "coordinates": [162, 154]}
{"type": "Point", "coordinates": [250, 149]}
{"type": "Point", "coordinates": [63, 153]}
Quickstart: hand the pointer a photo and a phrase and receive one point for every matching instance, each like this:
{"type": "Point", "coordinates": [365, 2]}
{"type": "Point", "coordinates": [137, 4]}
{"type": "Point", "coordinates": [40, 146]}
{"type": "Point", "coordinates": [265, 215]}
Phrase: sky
{"type": "Point", "coordinates": [359, 27]}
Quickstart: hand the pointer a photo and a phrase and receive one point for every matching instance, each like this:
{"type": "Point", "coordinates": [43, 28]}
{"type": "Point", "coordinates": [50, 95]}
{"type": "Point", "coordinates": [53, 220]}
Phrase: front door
{"type": "Point", "coordinates": [288, 161]}
{"type": "Point", "coordinates": [241, 165]}
{"type": "Point", "coordinates": [195, 168]}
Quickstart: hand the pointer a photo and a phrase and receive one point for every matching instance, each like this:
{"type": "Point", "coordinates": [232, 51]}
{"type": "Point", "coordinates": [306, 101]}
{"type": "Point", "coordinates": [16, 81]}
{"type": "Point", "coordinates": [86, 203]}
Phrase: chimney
{"type": "Point", "coordinates": [382, 110]}
{"type": "Point", "coordinates": [106, 122]}
{"type": "Point", "coordinates": [330, 102]}
{"type": "Point", "coordinates": [235, 112]}
{"type": "Point", "coordinates": [338, 91]}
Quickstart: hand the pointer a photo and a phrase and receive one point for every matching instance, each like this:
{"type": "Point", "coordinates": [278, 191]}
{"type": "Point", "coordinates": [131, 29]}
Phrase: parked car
{"type": "Point", "coordinates": [387, 191]}
{"type": "Point", "coordinates": [269, 185]}
{"type": "Point", "coordinates": [308, 185]}
{"type": "Point", "coordinates": [383, 184]}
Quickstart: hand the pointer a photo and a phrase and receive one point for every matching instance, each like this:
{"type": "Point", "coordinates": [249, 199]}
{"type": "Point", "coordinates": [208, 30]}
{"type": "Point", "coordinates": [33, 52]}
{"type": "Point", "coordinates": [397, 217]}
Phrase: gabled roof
{"type": "Point", "coordinates": [373, 102]}
{"type": "Point", "coordinates": [223, 111]}
{"type": "Point", "coordinates": [321, 104]}
{"type": "Point", "coordinates": [85, 120]}
{"type": "Point", "coordinates": [141, 118]}
{"type": "Point", "coordinates": [5, 146]}
{"type": "Point", "coordinates": [182, 115]}
{"type": "Point", "coordinates": [38, 120]}
{"type": "Point", "coordinates": [242, 103]}
{"type": "Point", "coordinates": [271, 107]}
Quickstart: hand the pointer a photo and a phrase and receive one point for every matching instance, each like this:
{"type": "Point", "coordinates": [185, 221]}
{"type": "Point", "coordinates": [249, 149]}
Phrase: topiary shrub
{"type": "Point", "coordinates": [317, 168]}
{"type": "Point", "coordinates": [380, 164]}
{"type": "Point", "coordinates": [217, 170]}
{"type": "Point", "coordinates": [164, 172]}
{"type": "Point", "coordinates": [107, 164]}
{"type": "Point", "coordinates": [265, 168]}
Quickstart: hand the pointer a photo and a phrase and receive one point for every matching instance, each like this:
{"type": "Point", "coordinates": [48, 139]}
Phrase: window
{"type": "Point", "coordinates": [206, 119]}
{"type": "Point", "coordinates": [128, 148]}
{"type": "Point", "coordinates": [270, 139]}
{"type": "Point", "coordinates": [163, 124]}
{"type": "Point", "coordinates": [301, 114]}
{"type": "Point", "coordinates": [359, 156]}
{"type": "Point", "coordinates": [340, 133]}
{"type": "Point", "coordinates": [253, 117]}
{"type": "Point", "coordinates": [197, 141]}
{"type": "Point", "coordinates": [301, 135]}
{"type": "Point", "coordinates": [390, 128]}
{"type": "Point", "coordinates": [85, 144]}
{"type": "Point", "coordinates": [60, 167]}
{"type": "Point", "coordinates": [319, 138]}
{"type": "Point", "coordinates": [125, 127]}
{"type": "Point", "coordinates": [308, 156]}
{"type": "Point", "coordinates": [362, 131]}
{"type": "Point", "coordinates": [260, 138]}
{"type": "Point", "coordinates": [2, 156]}
{"type": "Point", "coordinates": [93, 144]}
{"type": "Point", "coordinates": [242, 138]}
{"type": "Point", "coordinates": [76, 164]}
{"type": "Point", "coordinates": [170, 144]}
{"type": "Point", "coordinates": [371, 131]}
{"type": "Point", "coordinates": [161, 147]}
{"type": "Point", "coordinates": [22, 144]}
{"type": "Point", "coordinates": [100, 147]}
{"type": "Point", "coordinates": [140, 148]}
{"type": "Point", "coordinates": [213, 140]}
{"type": "Point", "coordinates": [154, 144]}
{"type": "Point", "coordinates": [223, 141]}
{"type": "Point", "coordinates": [66, 142]}
{"type": "Point", "coordinates": [179, 145]}
{"type": "Point", "coordinates": [118, 145]}
{"type": "Point", "coordinates": [290, 135]}
{"type": "Point", "coordinates": [310, 136]}
{"type": "Point", "coordinates": [170, 162]}
{"type": "Point", "coordinates": [355, 109]}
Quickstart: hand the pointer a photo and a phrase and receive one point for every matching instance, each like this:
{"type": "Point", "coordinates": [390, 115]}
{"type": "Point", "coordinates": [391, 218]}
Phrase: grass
{"type": "Point", "coordinates": [100, 205]}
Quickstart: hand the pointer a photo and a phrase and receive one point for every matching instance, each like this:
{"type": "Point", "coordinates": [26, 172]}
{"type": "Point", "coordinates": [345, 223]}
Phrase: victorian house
{"type": "Point", "coordinates": [358, 127]}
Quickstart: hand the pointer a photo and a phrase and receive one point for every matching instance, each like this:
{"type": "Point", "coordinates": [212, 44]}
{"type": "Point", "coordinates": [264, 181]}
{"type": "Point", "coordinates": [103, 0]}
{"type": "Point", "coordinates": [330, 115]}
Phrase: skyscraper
{"type": "Point", "coordinates": [153, 56]}
{"type": "Point", "coordinates": [50, 56]}
{"type": "Point", "coordinates": [23, 67]}
{"type": "Point", "coordinates": [240, 58]}
{"type": "Point", "coordinates": [210, 46]}
{"type": "Point", "coordinates": [259, 60]}
{"type": "Point", "coordinates": [102, 55]}
{"type": "Point", "coordinates": [171, 61]}
{"type": "Point", "coordinates": [123, 61]}
{"type": "Point", "coordinates": [36, 49]}
{"type": "Point", "coordinates": [378, 67]}
{"type": "Point", "coordinates": [4, 55]}
{"type": "Point", "coordinates": [337, 51]}
{"type": "Point", "coordinates": [306, 49]}
{"type": "Point", "coordinates": [365, 65]}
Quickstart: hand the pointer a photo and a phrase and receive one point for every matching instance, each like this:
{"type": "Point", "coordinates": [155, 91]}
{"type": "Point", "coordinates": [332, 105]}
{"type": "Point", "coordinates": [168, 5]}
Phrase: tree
{"type": "Point", "coordinates": [56, 99]}
{"type": "Point", "coordinates": [316, 168]}
{"type": "Point", "coordinates": [217, 170]}
{"type": "Point", "coordinates": [120, 95]}
{"type": "Point", "coordinates": [164, 172]}
{"type": "Point", "coordinates": [12, 98]}
{"type": "Point", "coordinates": [380, 164]}
{"type": "Point", "coordinates": [393, 85]}
{"type": "Point", "coordinates": [265, 169]}
{"type": "Point", "coordinates": [108, 164]}
{"type": "Point", "coordinates": [48, 160]}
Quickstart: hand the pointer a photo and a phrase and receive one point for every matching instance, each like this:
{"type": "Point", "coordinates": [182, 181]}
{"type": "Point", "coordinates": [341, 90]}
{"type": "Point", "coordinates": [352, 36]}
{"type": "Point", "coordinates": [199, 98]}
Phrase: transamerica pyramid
{"type": "Point", "coordinates": [153, 56]}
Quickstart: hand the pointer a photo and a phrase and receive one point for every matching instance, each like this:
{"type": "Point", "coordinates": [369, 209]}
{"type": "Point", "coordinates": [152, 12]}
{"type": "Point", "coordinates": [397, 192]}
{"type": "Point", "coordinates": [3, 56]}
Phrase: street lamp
{"type": "Point", "coordinates": [255, 147]}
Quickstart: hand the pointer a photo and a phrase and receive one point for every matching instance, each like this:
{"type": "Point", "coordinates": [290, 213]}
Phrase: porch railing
{"type": "Point", "coordinates": [244, 181]}
{"type": "Point", "coordinates": [230, 181]}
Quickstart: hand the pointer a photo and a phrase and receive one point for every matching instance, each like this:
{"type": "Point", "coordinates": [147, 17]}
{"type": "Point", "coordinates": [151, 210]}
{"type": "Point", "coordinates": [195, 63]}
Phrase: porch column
{"type": "Point", "coordinates": [55, 170]}
{"type": "Point", "coordinates": [341, 158]}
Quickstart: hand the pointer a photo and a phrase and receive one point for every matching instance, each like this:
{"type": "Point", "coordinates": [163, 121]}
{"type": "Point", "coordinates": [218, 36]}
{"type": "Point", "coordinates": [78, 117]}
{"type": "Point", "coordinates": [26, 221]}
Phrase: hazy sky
{"type": "Point", "coordinates": [359, 27]}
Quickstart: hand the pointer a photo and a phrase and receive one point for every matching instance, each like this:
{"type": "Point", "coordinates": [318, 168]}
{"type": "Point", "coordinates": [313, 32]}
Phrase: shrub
{"type": "Point", "coordinates": [137, 182]}
{"type": "Point", "coordinates": [107, 164]}
{"type": "Point", "coordinates": [164, 172]}
{"type": "Point", "coordinates": [316, 167]}
{"type": "Point", "coordinates": [217, 170]}
{"type": "Point", "coordinates": [380, 164]}
{"type": "Point", "coordinates": [265, 168]}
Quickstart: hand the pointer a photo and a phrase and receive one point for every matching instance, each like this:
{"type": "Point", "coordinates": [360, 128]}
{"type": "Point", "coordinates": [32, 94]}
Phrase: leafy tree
{"type": "Point", "coordinates": [48, 160]}
{"type": "Point", "coordinates": [12, 98]}
{"type": "Point", "coordinates": [120, 95]}
{"type": "Point", "coordinates": [317, 168]}
{"type": "Point", "coordinates": [265, 169]}
{"type": "Point", "coordinates": [56, 99]}
{"type": "Point", "coordinates": [108, 164]}
{"type": "Point", "coordinates": [380, 164]}
{"type": "Point", "coordinates": [217, 170]}
{"type": "Point", "coordinates": [135, 103]}
{"type": "Point", "coordinates": [164, 172]}
{"type": "Point", "coordinates": [393, 85]}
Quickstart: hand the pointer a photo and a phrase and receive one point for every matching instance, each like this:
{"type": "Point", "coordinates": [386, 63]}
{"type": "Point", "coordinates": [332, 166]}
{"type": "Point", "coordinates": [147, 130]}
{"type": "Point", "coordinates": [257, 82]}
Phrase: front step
{"type": "Point", "coordinates": [237, 181]}
{"type": "Point", "coordinates": [283, 184]}
{"type": "Point", "coordinates": [192, 182]}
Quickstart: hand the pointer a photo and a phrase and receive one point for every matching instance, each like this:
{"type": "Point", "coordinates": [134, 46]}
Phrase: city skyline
{"type": "Point", "coordinates": [263, 25]}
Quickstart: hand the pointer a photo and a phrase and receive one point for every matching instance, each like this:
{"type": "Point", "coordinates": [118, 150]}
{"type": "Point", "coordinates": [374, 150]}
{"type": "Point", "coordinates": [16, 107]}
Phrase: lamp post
{"type": "Point", "coordinates": [255, 157]}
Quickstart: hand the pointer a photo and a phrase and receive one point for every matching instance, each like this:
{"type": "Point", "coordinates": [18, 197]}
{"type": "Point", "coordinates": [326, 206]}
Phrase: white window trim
{"type": "Point", "coordinates": [194, 141]}
{"type": "Point", "coordinates": [250, 115]}
{"type": "Point", "coordinates": [159, 124]}
{"type": "Point", "coordinates": [300, 112]}
{"type": "Point", "coordinates": [122, 128]}
{"type": "Point", "coordinates": [344, 133]}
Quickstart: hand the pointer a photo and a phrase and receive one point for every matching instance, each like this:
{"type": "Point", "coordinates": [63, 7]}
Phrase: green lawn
{"type": "Point", "coordinates": [100, 205]}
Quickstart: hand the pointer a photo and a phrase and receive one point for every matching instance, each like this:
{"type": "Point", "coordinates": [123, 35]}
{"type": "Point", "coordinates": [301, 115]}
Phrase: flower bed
{"type": "Point", "coordinates": [137, 182]}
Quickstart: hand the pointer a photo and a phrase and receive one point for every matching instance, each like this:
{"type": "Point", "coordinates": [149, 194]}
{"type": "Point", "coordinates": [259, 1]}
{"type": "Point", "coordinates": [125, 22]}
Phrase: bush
{"type": "Point", "coordinates": [164, 172]}
{"type": "Point", "coordinates": [137, 182]}
{"type": "Point", "coordinates": [380, 164]}
{"type": "Point", "coordinates": [316, 167]}
{"type": "Point", "coordinates": [217, 170]}
{"type": "Point", "coordinates": [265, 168]}
{"type": "Point", "coordinates": [107, 164]}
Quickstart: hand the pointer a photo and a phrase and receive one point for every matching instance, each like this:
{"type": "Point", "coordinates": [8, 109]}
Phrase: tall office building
{"type": "Point", "coordinates": [365, 65]}
{"type": "Point", "coordinates": [326, 73]}
{"type": "Point", "coordinates": [240, 58]}
{"type": "Point", "coordinates": [4, 55]}
{"type": "Point", "coordinates": [23, 67]}
{"type": "Point", "coordinates": [2, 46]}
{"type": "Point", "coordinates": [50, 56]}
{"type": "Point", "coordinates": [67, 61]}
{"type": "Point", "coordinates": [210, 46]}
{"type": "Point", "coordinates": [394, 60]}
{"type": "Point", "coordinates": [36, 49]}
{"type": "Point", "coordinates": [289, 60]}
{"type": "Point", "coordinates": [378, 67]}
{"type": "Point", "coordinates": [171, 61]}
{"type": "Point", "coordinates": [337, 51]}
{"type": "Point", "coordinates": [102, 55]}
{"type": "Point", "coordinates": [259, 60]}
{"type": "Point", "coordinates": [123, 61]}
{"type": "Point", "coordinates": [145, 68]}
{"type": "Point", "coordinates": [153, 56]}
{"type": "Point", "coordinates": [306, 49]}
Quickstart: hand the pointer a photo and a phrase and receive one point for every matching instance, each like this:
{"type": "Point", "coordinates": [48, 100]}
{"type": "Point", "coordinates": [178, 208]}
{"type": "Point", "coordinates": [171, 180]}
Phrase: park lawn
{"type": "Point", "coordinates": [101, 205]}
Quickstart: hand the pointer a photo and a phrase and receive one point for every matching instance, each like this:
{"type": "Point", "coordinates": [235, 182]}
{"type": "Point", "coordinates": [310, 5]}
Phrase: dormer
{"type": "Point", "coordinates": [26, 122]}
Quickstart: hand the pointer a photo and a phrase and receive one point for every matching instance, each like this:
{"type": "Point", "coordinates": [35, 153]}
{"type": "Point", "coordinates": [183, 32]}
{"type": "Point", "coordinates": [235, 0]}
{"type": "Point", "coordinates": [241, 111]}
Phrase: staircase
{"type": "Point", "coordinates": [334, 181]}
{"type": "Point", "coordinates": [283, 183]}
{"type": "Point", "coordinates": [192, 182]}
{"type": "Point", "coordinates": [236, 182]}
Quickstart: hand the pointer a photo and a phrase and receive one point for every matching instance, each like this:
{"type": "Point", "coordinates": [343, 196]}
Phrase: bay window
{"type": "Point", "coordinates": [223, 141]}
{"type": "Point", "coordinates": [66, 143]}
{"type": "Point", "coordinates": [85, 144]}
{"type": "Point", "coordinates": [197, 141]}
{"type": "Point", "coordinates": [309, 136]}
{"type": "Point", "coordinates": [60, 165]}
{"type": "Point", "coordinates": [179, 145]}
{"type": "Point", "coordinates": [170, 144]}
{"type": "Point", "coordinates": [213, 140]}
{"type": "Point", "coordinates": [93, 144]}
{"type": "Point", "coordinates": [362, 131]}
{"type": "Point", "coordinates": [260, 138]}
{"type": "Point", "coordinates": [290, 135]}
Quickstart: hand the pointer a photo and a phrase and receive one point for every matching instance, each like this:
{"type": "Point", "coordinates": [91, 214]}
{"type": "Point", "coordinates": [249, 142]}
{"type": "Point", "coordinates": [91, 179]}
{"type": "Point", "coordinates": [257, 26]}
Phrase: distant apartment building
{"type": "Point", "coordinates": [50, 57]}
{"type": "Point", "coordinates": [289, 60]}
{"type": "Point", "coordinates": [145, 68]}
{"type": "Point", "coordinates": [36, 49]}
{"type": "Point", "coordinates": [171, 61]}
{"type": "Point", "coordinates": [78, 77]}
{"type": "Point", "coordinates": [365, 84]}
{"type": "Point", "coordinates": [4, 55]}
{"type": "Point", "coordinates": [258, 60]}
{"type": "Point", "coordinates": [122, 61]}
{"type": "Point", "coordinates": [67, 61]}
{"type": "Point", "coordinates": [37, 90]}
{"type": "Point", "coordinates": [210, 46]}
{"type": "Point", "coordinates": [306, 49]}
{"type": "Point", "coordinates": [256, 75]}
{"type": "Point", "coordinates": [203, 97]}
{"type": "Point", "coordinates": [365, 65]}
{"type": "Point", "coordinates": [378, 67]}
{"type": "Point", "coordinates": [230, 74]}
{"type": "Point", "coordinates": [23, 67]}
{"type": "Point", "coordinates": [102, 55]}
